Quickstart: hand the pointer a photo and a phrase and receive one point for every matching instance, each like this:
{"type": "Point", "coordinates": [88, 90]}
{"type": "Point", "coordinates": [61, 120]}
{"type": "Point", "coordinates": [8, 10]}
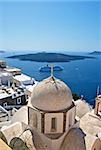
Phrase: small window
{"type": "Point", "coordinates": [14, 95]}
{"type": "Point", "coordinates": [19, 100]}
{"type": "Point", "coordinates": [15, 84]}
{"type": "Point", "coordinates": [5, 104]}
{"type": "Point", "coordinates": [19, 92]}
{"type": "Point", "coordinates": [53, 124]}
{"type": "Point", "coordinates": [69, 125]}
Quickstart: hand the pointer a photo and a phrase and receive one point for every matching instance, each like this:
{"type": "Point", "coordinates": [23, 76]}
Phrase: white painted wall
{"type": "Point", "coordinates": [73, 114]}
{"type": "Point", "coordinates": [38, 121]}
{"type": "Point", "coordinates": [13, 130]}
{"type": "Point", "coordinates": [5, 77]}
{"type": "Point", "coordinates": [99, 109]}
{"type": "Point", "coordinates": [32, 117]}
{"type": "Point", "coordinates": [70, 118]}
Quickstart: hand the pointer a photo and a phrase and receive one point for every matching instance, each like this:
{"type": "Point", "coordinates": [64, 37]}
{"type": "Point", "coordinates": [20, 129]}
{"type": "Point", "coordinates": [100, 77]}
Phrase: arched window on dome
{"type": "Point", "coordinates": [54, 124]}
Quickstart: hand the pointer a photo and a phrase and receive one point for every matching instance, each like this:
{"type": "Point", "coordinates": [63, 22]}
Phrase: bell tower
{"type": "Point", "coordinates": [97, 110]}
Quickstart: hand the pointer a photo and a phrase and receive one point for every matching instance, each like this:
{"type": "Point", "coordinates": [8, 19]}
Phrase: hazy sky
{"type": "Point", "coordinates": [50, 25]}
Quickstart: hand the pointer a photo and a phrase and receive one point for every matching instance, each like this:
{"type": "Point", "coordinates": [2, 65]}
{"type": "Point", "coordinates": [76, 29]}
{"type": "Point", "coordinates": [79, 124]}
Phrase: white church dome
{"type": "Point", "coordinates": [51, 94]}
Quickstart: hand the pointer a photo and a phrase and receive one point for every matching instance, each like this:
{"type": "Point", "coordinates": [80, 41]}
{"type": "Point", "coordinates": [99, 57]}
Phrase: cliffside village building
{"type": "Point", "coordinates": [52, 120]}
{"type": "Point", "coordinates": [15, 87]}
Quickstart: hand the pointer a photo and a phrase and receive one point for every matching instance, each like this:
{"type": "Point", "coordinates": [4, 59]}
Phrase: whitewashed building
{"type": "Point", "coordinates": [49, 121]}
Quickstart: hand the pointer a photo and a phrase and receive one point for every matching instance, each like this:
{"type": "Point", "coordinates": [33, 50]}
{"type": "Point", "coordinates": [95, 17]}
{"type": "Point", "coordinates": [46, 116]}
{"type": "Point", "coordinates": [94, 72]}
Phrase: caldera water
{"type": "Point", "coordinates": [82, 76]}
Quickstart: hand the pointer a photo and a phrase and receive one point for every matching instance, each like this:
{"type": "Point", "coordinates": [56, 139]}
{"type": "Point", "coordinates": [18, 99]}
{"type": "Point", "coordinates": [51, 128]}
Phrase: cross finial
{"type": "Point", "coordinates": [52, 70]}
{"type": "Point", "coordinates": [82, 97]}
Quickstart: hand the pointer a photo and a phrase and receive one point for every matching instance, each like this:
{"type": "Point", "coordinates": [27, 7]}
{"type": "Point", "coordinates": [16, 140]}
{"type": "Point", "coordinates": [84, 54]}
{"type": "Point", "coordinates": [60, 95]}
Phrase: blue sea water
{"type": "Point", "coordinates": [82, 76]}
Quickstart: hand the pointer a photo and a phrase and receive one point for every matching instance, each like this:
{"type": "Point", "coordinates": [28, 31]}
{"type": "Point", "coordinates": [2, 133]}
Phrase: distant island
{"type": "Point", "coordinates": [48, 57]}
{"type": "Point", "coordinates": [1, 51]}
{"type": "Point", "coordinates": [96, 53]}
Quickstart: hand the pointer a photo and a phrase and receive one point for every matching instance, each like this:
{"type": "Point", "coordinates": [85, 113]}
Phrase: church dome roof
{"type": "Point", "coordinates": [51, 94]}
{"type": "Point", "coordinates": [76, 137]}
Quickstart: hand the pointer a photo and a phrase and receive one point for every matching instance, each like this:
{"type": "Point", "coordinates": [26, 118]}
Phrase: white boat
{"type": "Point", "coordinates": [47, 68]}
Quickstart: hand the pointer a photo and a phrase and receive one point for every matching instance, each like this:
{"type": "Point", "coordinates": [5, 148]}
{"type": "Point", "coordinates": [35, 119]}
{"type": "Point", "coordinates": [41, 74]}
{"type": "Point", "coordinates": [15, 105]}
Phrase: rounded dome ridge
{"type": "Point", "coordinates": [51, 94]}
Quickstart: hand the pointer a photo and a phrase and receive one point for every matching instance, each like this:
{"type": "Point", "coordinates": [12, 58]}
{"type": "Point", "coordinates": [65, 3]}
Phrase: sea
{"type": "Point", "coordinates": [82, 76]}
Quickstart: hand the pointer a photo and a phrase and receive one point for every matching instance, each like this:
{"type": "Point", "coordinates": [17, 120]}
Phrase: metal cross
{"type": "Point", "coordinates": [52, 70]}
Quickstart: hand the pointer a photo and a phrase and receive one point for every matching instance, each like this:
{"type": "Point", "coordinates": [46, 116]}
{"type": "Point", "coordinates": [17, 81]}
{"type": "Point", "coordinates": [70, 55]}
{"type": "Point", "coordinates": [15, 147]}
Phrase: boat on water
{"type": "Point", "coordinates": [47, 68]}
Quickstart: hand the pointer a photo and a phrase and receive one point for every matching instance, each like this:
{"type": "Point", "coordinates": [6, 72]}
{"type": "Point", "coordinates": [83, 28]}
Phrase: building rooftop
{"type": "Point", "coordinates": [14, 130]}
{"type": "Point", "coordinates": [13, 70]}
{"type": "Point", "coordinates": [82, 105]}
{"type": "Point", "coordinates": [10, 69]}
{"type": "Point", "coordinates": [30, 87]}
{"type": "Point", "coordinates": [90, 123]}
{"type": "Point", "coordinates": [4, 73]}
{"type": "Point", "coordinates": [21, 115]}
{"type": "Point", "coordinates": [3, 94]}
{"type": "Point", "coordinates": [22, 77]}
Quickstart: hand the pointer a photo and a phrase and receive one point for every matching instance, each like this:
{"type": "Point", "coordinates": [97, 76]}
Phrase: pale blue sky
{"type": "Point", "coordinates": [60, 25]}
